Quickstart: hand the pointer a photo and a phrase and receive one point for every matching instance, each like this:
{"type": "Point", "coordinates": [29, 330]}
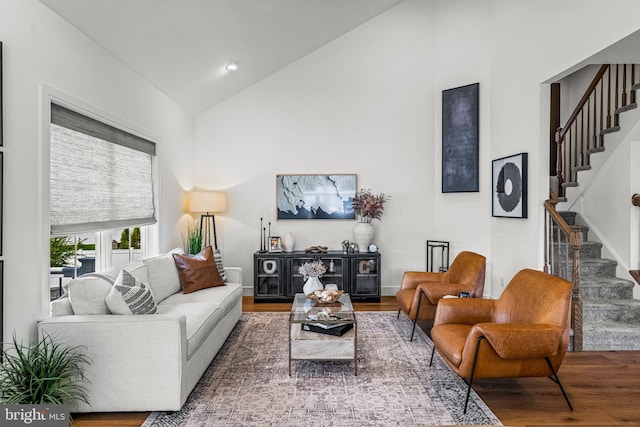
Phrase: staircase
{"type": "Point", "coordinates": [611, 317]}
{"type": "Point", "coordinates": [604, 315]}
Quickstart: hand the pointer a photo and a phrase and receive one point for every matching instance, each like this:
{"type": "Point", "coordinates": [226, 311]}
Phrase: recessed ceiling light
{"type": "Point", "coordinates": [233, 66]}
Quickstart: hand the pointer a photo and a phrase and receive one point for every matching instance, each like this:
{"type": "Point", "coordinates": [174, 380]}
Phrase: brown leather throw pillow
{"type": "Point", "coordinates": [198, 271]}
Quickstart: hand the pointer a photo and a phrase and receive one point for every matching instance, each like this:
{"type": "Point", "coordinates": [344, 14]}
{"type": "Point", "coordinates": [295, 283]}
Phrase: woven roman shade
{"type": "Point", "coordinates": [101, 177]}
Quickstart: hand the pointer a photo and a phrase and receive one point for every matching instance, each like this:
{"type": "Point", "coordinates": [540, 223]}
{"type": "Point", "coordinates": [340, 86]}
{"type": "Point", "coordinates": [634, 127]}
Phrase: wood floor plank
{"type": "Point", "coordinates": [604, 387]}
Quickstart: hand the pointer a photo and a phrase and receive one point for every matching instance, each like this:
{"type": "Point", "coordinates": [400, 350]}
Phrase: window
{"type": "Point", "coordinates": [101, 195]}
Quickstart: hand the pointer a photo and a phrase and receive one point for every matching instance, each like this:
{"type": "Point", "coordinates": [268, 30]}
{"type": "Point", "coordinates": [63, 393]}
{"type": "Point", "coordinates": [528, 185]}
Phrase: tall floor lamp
{"type": "Point", "coordinates": [209, 202]}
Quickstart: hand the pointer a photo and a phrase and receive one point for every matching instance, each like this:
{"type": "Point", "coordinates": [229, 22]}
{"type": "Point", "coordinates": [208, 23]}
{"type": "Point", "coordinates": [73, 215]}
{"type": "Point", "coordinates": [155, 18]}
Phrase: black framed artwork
{"type": "Point", "coordinates": [460, 138]}
{"type": "Point", "coordinates": [509, 186]}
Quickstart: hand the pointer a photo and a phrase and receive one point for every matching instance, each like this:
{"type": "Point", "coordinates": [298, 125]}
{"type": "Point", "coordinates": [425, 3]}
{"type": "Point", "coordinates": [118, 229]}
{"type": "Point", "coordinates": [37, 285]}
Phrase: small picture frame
{"type": "Point", "coordinates": [275, 244]}
{"type": "Point", "coordinates": [509, 186]}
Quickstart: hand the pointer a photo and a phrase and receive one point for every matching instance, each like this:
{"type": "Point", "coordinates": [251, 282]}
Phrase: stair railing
{"type": "Point", "coordinates": [562, 244]}
{"type": "Point", "coordinates": [612, 91]}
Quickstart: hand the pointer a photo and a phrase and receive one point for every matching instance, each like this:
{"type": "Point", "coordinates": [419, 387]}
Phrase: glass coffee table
{"type": "Point", "coordinates": [323, 332]}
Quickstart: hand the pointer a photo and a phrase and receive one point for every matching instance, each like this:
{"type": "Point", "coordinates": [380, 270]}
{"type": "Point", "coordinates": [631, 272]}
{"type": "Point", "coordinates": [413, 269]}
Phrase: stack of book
{"type": "Point", "coordinates": [337, 329]}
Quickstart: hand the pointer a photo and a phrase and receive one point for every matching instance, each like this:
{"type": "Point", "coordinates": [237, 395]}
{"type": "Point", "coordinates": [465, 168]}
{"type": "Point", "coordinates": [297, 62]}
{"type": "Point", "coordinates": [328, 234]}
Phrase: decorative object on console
{"type": "Point", "coordinates": [509, 189]}
{"type": "Point", "coordinates": [460, 139]}
{"type": "Point", "coordinates": [316, 249]}
{"type": "Point", "coordinates": [368, 206]}
{"type": "Point", "coordinates": [209, 202]}
{"type": "Point", "coordinates": [315, 196]}
{"type": "Point", "coordinates": [275, 244]}
{"type": "Point", "coordinates": [312, 271]}
{"type": "Point", "coordinates": [288, 242]}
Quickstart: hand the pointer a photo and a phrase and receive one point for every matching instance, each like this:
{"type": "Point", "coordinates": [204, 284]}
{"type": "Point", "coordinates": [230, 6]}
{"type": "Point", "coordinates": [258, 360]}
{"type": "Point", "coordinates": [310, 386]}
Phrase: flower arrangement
{"type": "Point", "coordinates": [369, 206]}
{"type": "Point", "coordinates": [312, 269]}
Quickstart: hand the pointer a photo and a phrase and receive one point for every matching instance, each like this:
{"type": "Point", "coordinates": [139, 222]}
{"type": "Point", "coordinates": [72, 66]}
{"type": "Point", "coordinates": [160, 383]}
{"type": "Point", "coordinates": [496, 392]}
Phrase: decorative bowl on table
{"type": "Point", "coordinates": [325, 296]}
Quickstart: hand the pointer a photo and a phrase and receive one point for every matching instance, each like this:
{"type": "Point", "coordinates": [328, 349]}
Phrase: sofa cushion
{"type": "Point", "coordinates": [163, 275]}
{"type": "Point", "coordinates": [198, 271]}
{"type": "Point", "coordinates": [130, 296]}
{"type": "Point", "coordinates": [87, 295]}
{"type": "Point", "coordinates": [201, 319]}
{"type": "Point", "coordinates": [224, 296]}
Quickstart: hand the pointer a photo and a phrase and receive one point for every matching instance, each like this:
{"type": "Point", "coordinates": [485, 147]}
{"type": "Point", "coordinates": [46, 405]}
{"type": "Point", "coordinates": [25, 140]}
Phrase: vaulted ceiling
{"type": "Point", "coordinates": [183, 46]}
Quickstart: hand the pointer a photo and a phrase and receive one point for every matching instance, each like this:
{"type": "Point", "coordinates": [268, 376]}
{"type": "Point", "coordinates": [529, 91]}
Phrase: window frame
{"type": "Point", "coordinates": [149, 234]}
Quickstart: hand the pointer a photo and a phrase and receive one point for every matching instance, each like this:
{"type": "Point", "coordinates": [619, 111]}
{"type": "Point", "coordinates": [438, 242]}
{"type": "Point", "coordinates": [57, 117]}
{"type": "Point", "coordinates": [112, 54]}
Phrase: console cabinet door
{"type": "Point", "coordinates": [336, 271]}
{"type": "Point", "coordinates": [365, 277]}
{"type": "Point", "coordinates": [269, 275]}
{"type": "Point", "coordinates": [296, 280]}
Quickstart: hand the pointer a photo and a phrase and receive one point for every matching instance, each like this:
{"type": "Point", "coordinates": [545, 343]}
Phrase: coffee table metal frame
{"type": "Point", "coordinates": [306, 345]}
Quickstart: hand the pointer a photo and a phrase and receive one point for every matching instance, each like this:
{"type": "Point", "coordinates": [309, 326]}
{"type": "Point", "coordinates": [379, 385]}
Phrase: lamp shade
{"type": "Point", "coordinates": [207, 201]}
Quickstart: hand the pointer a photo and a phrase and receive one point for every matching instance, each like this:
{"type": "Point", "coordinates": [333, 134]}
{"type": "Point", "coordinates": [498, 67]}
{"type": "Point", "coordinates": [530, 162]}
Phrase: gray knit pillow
{"type": "Point", "coordinates": [218, 257]}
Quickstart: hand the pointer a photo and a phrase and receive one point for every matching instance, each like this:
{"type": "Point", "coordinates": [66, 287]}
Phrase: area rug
{"type": "Point", "coordinates": [248, 382]}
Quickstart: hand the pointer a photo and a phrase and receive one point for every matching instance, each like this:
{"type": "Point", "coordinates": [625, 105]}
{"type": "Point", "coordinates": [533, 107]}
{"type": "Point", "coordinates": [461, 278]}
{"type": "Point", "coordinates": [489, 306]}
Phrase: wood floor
{"type": "Point", "coordinates": [604, 388]}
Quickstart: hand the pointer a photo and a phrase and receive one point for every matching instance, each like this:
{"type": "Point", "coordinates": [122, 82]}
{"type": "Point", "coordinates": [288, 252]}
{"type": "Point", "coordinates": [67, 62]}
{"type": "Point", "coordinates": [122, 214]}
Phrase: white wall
{"type": "Point", "coordinates": [41, 50]}
{"type": "Point", "coordinates": [348, 108]}
{"type": "Point", "coordinates": [362, 104]}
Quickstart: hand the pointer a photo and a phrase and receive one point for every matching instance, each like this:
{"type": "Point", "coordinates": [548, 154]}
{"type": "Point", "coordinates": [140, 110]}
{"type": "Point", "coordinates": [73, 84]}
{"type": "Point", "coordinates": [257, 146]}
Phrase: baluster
{"type": "Point", "coordinates": [559, 162]}
{"type": "Point", "coordinates": [624, 85]}
{"type": "Point", "coordinates": [609, 99]}
{"type": "Point", "coordinates": [588, 137]}
{"type": "Point", "coordinates": [600, 135]}
{"type": "Point", "coordinates": [583, 151]}
{"type": "Point", "coordinates": [633, 83]}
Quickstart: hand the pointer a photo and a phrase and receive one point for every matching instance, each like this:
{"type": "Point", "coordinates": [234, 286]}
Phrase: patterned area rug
{"type": "Point", "coordinates": [248, 382]}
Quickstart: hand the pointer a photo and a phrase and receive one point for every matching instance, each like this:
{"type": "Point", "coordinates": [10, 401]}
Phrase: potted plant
{"type": "Point", "coordinates": [192, 239]}
{"type": "Point", "coordinates": [43, 373]}
{"type": "Point", "coordinates": [311, 273]}
{"type": "Point", "coordinates": [368, 206]}
{"type": "Point", "coordinates": [60, 250]}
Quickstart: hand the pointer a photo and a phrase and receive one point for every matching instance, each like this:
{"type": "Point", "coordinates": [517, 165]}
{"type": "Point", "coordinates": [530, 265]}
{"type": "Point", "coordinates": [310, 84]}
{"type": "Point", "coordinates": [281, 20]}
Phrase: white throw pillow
{"type": "Point", "coordinates": [162, 274]}
{"type": "Point", "coordinates": [130, 296]}
{"type": "Point", "coordinates": [87, 295]}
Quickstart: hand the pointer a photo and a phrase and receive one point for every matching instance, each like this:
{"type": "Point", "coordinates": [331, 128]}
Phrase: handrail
{"type": "Point", "coordinates": [611, 92]}
{"type": "Point", "coordinates": [556, 256]}
{"type": "Point", "coordinates": [587, 95]}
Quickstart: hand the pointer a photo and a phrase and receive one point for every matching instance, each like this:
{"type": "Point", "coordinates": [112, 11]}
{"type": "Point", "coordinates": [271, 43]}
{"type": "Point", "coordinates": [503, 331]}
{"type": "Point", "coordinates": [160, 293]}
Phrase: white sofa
{"type": "Point", "coordinates": [148, 362]}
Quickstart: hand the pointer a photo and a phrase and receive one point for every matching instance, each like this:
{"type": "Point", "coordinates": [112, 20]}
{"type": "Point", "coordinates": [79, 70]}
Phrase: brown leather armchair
{"type": "Point", "coordinates": [524, 333]}
{"type": "Point", "coordinates": [466, 274]}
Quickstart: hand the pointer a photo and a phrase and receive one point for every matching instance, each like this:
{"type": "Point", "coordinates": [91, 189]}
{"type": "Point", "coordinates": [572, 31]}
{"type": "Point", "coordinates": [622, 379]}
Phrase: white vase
{"type": "Point", "coordinates": [363, 234]}
{"type": "Point", "coordinates": [287, 242]}
{"type": "Point", "coordinates": [311, 285]}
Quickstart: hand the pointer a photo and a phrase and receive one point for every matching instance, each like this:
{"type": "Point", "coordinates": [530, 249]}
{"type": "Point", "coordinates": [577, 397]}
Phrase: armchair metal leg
{"type": "Point", "coordinates": [417, 313]}
{"type": "Point", "coordinates": [556, 380]}
{"type": "Point", "coordinates": [473, 371]}
{"type": "Point", "coordinates": [399, 310]}
{"type": "Point", "coordinates": [433, 352]}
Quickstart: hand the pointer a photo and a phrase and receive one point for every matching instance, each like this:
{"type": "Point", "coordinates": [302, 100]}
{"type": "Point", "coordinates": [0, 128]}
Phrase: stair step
{"type": "Point", "coordinates": [569, 216]}
{"type": "Point", "coordinates": [635, 86]}
{"type": "Point", "coordinates": [595, 150]}
{"type": "Point", "coordinates": [583, 168]}
{"type": "Point", "coordinates": [594, 288]}
{"type": "Point", "coordinates": [603, 310]}
{"type": "Point", "coordinates": [611, 336]}
{"type": "Point", "coordinates": [589, 249]}
{"type": "Point", "coordinates": [570, 184]}
{"type": "Point", "coordinates": [626, 108]}
{"type": "Point", "coordinates": [610, 130]}
{"type": "Point", "coordinates": [598, 267]}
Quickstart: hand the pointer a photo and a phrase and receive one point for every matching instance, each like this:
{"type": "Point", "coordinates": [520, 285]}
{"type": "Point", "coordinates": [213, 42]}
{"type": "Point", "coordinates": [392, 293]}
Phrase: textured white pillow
{"type": "Point", "coordinates": [162, 274]}
{"type": "Point", "coordinates": [130, 296]}
{"type": "Point", "coordinates": [87, 295]}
